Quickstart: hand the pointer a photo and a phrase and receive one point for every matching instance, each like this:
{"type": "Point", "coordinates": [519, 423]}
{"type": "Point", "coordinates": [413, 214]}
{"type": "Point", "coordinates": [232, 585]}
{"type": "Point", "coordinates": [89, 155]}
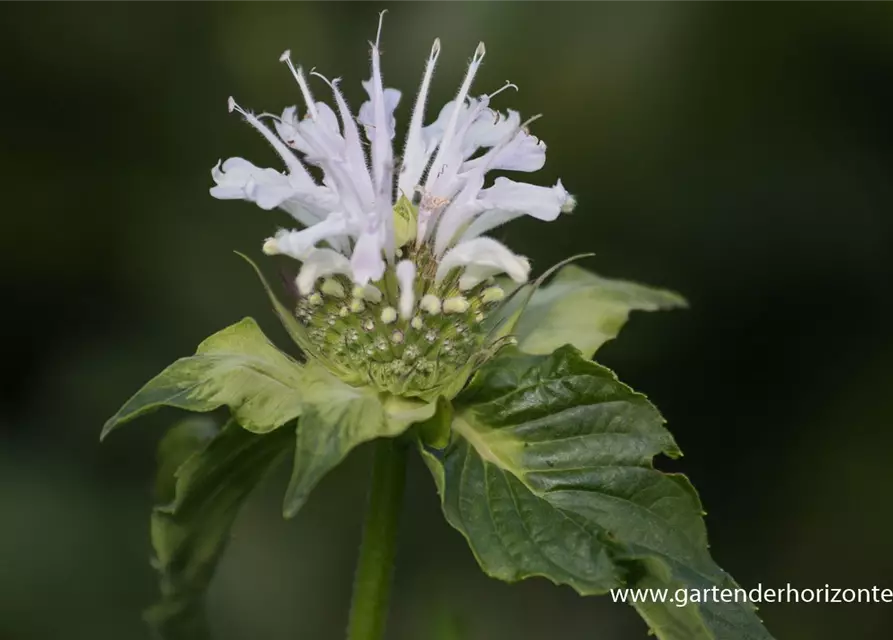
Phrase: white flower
{"type": "Point", "coordinates": [443, 170]}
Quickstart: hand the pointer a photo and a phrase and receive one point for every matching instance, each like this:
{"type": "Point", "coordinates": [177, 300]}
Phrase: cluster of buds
{"type": "Point", "coordinates": [403, 341]}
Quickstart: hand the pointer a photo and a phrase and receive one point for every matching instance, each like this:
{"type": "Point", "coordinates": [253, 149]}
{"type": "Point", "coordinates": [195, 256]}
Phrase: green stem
{"type": "Point", "coordinates": [372, 583]}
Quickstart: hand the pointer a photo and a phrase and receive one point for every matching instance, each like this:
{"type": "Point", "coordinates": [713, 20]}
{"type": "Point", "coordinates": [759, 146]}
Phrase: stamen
{"type": "Point", "coordinates": [380, 22]}
{"type": "Point", "coordinates": [302, 83]}
{"type": "Point", "coordinates": [524, 125]}
{"type": "Point", "coordinates": [507, 85]}
{"type": "Point", "coordinates": [271, 247]}
{"type": "Point", "coordinates": [232, 105]}
{"type": "Point", "coordinates": [332, 83]}
{"type": "Point", "coordinates": [288, 157]}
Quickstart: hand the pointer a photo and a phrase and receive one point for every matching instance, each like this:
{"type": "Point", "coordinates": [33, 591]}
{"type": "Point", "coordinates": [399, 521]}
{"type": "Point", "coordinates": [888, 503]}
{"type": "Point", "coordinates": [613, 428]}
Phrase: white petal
{"type": "Point", "coordinates": [433, 133]}
{"type": "Point", "coordinates": [489, 130]}
{"type": "Point", "coordinates": [341, 160]}
{"type": "Point", "coordinates": [473, 276]}
{"type": "Point", "coordinates": [366, 260]}
{"type": "Point", "coordinates": [238, 179]}
{"type": "Point", "coordinates": [523, 152]}
{"type": "Point", "coordinates": [353, 148]}
{"type": "Point", "coordinates": [300, 244]}
{"type": "Point", "coordinates": [543, 203]}
{"type": "Point", "coordinates": [485, 257]}
{"type": "Point", "coordinates": [288, 157]}
{"type": "Point", "coordinates": [507, 200]}
{"type": "Point", "coordinates": [463, 208]}
{"type": "Point", "coordinates": [312, 206]}
{"type": "Point", "coordinates": [406, 279]}
{"type": "Point", "coordinates": [327, 118]}
{"type": "Point", "coordinates": [415, 158]}
{"type": "Point", "coordinates": [382, 153]}
{"type": "Point", "coordinates": [455, 112]}
{"type": "Point", "coordinates": [443, 177]}
{"type": "Point", "coordinates": [320, 263]}
{"type": "Point", "coordinates": [287, 128]}
{"type": "Point", "coordinates": [366, 117]}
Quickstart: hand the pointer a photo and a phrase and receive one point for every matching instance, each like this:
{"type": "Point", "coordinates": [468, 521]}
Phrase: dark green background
{"type": "Point", "coordinates": [741, 154]}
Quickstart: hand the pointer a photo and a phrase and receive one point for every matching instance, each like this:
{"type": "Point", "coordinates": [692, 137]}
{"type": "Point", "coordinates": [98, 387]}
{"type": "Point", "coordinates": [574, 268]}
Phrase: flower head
{"type": "Point", "coordinates": [404, 243]}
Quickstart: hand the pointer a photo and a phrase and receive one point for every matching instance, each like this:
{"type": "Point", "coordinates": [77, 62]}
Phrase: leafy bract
{"type": "Point", "coordinates": [205, 474]}
{"type": "Point", "coordinates": [586, 310]}
{"type": "Point", "coordinates": [340, 418]}
{"type": "Point", "coordinates": [406, 218]}
{"type": "Point", "coordinates": [295, 329]}
{"type": "Point", "coordinates": [265, 389]}
{"type": "Point", "coordinates": [550, 474]}
{"type": "Point", "coordinates": [237, 367]}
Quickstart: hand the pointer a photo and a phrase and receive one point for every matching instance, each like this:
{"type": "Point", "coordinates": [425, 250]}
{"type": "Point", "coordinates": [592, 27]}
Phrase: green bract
{"type": "Point", "coordinates": [585, 310]}
{"type": "Point", "coordinates": [541, 457]}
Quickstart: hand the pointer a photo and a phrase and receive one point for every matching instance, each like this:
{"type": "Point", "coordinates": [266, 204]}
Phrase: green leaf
{"type": "Point", "coordinates": [583, 309]}
{"type": "Point", "coordinates": [550, 474]}
{"type": "Point", "coordinates": [237, 367]}
{"type": "Point", "coordinates": [337, 419]}
{"type": "Point", "coordinates": [264, 388]}
{"type": "Point", "coordinates": [216, 470]}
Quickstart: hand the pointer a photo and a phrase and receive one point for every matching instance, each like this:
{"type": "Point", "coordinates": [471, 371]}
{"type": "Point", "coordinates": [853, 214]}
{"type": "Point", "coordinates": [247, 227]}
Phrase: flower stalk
{"type": "Point", "coordinates": [378, 548]}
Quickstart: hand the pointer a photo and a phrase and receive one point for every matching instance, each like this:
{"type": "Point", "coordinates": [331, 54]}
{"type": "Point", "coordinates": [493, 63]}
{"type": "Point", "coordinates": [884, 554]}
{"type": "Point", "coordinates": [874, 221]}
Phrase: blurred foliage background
{"type": "Point", "coordinates": [741, 154]}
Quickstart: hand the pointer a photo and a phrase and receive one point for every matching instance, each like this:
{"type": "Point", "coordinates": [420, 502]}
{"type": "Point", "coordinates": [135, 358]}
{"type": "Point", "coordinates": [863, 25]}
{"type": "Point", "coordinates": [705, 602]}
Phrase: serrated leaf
{"type": "Point", "coordinates": [550, 474]}
{"type": "Point", "coordinates": [586, 310]}
{"type": "Point", "coordinates": [338, 419]}
{"type": "Point", "coordinates": [216, 470]}
{"type": "Point", "coordinates": [237, 367]}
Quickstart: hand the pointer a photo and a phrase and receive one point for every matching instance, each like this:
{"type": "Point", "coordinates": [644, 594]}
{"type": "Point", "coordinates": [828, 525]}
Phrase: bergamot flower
{"type": "Point", "coordinates": [397, 275]}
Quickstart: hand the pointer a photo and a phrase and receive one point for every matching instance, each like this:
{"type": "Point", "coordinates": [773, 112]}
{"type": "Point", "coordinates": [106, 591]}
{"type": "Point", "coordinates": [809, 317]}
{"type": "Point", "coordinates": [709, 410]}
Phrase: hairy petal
{"type": "Point", "coordinates": [507, 200]}
{"type": "Point", "coordinates": [366, 261]}
{"type": "Point", "coordinates": [298, 244]}
{"type": "Point", "coordinates": [238, 179]}
{"type": "Point", "coordinates": [319, 263]}
{"type": "Point", "coordinates": [485, 257]}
